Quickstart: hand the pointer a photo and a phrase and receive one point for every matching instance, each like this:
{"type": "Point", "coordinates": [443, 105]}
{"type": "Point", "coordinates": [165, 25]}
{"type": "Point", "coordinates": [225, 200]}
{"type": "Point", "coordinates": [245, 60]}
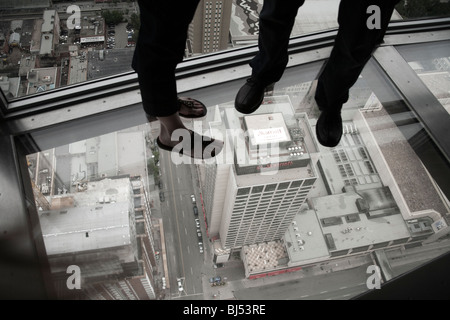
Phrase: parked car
{"type": "Point", "coordinates": [193, 198]}
{"type": "Point", "coordinates": [197, 222]}
{"type": "Point", "coordinates": [161, 196]}
{"type": "Point", "coordinates": [180, 285]}
{"type": "Point", "coordinates": [216, 281]}
{"type": "Point", "coordinates": [195, 210]}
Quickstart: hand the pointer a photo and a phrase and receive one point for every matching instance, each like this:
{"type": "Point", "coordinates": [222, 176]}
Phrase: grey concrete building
{"type": "Point", "coordinates": [253, 194]}
{"type": "Point", "coordinates": [210, 27]}
{"type": "Point", "coordinates": [97, 230]}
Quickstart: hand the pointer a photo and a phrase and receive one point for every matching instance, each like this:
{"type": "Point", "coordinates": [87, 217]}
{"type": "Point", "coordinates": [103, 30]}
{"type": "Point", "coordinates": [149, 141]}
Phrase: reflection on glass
{"type": "Point", "coordinates": [274, 207]}
{"type": "Point", "coordinates": [432, 65]}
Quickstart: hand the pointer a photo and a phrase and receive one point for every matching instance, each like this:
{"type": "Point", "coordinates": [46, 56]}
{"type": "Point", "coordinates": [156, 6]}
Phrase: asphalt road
{"type": "Point", "coordinates": [339, 285]}
{"type": "Point", "coordinates": [183, 254]}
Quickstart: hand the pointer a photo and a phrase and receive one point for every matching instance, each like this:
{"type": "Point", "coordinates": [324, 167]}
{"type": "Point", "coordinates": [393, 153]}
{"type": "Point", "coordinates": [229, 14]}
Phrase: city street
{"type": "Point", "coordinates": [184, 259]}
{"type": "Point", "coordinates": [339, 285]}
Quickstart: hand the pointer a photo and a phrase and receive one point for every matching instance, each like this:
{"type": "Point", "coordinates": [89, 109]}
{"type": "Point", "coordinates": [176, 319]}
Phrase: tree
{"type": "Point", "coordinates": [422, 8]}
{"type": "Point", "coordinates": [112, 17]}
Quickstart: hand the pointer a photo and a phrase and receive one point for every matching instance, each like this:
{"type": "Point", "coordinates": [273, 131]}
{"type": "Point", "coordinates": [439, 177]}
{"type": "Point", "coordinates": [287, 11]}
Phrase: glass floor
{"type": "Point", "coordinates": [274, 215]}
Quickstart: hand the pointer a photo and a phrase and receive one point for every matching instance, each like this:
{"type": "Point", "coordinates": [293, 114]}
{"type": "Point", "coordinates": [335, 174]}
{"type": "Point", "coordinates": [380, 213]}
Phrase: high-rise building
{"type": "Point", "coordinates": [362, 202]}
{"type": "Point", "coordinates": [100, 231]}
{"type": "Point", "coordinates": [95, 215]}
{"type": "Point", "coordinates": [253, 196]}
{"type": "Point", "coordinates": [210, 27]}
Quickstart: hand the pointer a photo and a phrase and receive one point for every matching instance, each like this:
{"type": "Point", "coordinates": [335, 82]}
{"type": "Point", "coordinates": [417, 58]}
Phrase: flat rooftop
{"type": "Point", "coordinates": [266, 128]}
{"type": "Point", "coordinates": [348, 228]}
{"type": "Point", "coordinates": [267, 147]}
{"type": "Point", "coordinates": [304, 240]}
{"type": "Point", "coordinates": [349, 163]}
{"type": "Point", "coordinates": [97, 218]}
{"type": "Point", "coordinates": [412, 178]}
{"type": "Point", "coordinates": [79, 229]}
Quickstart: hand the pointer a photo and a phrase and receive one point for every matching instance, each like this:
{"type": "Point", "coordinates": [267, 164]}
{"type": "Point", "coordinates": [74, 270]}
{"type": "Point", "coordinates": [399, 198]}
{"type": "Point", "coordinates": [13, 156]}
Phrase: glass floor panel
{"type": "Point", "coordinates": [271, 217]}
{"type": "Point", "coordinates": [432, 65]}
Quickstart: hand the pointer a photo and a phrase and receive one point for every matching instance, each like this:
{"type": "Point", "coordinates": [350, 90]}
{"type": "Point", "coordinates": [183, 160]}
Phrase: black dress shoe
{"type": "Point", "coordinates": [329, 128]}
{"type": "Point", "coordinates": [250, 96]}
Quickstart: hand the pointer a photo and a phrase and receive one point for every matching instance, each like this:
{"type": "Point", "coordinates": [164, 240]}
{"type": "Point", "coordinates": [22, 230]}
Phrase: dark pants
{"type": "Point", "coordinates": [159, 49]}
{"type": "Point", "coordinates": [163, 34]}
{"type": "Point", "coordinates": [353, 46]}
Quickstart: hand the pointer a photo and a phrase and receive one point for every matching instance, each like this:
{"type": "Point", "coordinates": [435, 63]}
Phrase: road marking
{"type": "Point", "coordinates": [341, 288]}
{"type": "Point", "coordinates": [189, 251]}
{"type": "Point", "coordinates": [192, 272]}
{"type": "Point", "coordinates": [185, 230]}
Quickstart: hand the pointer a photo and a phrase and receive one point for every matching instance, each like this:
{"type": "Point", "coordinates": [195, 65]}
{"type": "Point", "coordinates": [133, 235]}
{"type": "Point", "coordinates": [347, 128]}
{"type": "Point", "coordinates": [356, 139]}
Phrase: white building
{"type": "Point", "coordinates": [254, 194]}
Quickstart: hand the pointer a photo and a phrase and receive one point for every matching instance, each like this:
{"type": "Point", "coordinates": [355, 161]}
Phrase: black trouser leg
{"type": "Point", "coordinates": [276, 20]}
{"type": "Point", "coordinates": [160, 47]}
{"type": "Point", "coordinates": [353, 47]}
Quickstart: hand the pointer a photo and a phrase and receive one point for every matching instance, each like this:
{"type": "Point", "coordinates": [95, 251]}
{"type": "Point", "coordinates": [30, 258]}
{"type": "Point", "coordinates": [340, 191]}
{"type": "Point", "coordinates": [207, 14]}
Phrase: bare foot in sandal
{"type": "Point", "coordinates": [174, 136]}
{"type": "Point", "coordinates": [187, 108]}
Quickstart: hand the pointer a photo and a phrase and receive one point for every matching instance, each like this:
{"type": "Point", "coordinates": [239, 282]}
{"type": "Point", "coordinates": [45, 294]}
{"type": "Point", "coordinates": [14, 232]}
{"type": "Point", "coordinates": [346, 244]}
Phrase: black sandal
{"type": "Point", "coordinates": [210, 148]}
{"type": "Point", "coordinates": [190, 103]}
{"type": "Point", "coordinates": [187, 102]}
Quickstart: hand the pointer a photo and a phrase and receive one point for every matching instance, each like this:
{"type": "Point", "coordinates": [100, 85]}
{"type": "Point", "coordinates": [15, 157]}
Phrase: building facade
{"type": "Point", "coordinates": [100, 231]}
{"type": "Point", "coordinates": [254, 194]}
{"type": "Point", "coordinates": [210, 27]}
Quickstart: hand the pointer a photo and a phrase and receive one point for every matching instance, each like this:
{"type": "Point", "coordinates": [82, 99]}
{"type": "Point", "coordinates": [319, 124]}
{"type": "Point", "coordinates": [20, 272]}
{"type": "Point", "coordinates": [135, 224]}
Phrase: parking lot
{"type": "Point", "coordinates": [118, 36]}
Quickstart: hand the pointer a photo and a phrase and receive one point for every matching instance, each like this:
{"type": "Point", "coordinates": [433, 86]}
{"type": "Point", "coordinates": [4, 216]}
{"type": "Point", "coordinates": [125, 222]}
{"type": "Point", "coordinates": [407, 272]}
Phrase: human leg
{"type": "Point", "coordinates": [353, 47]}
{"type": "Point", "coordinates": [275, 26]}
{"type": "Point", "coordinates": [160, 47]}
{"type": "Point", "coordinates": [276, 21]}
